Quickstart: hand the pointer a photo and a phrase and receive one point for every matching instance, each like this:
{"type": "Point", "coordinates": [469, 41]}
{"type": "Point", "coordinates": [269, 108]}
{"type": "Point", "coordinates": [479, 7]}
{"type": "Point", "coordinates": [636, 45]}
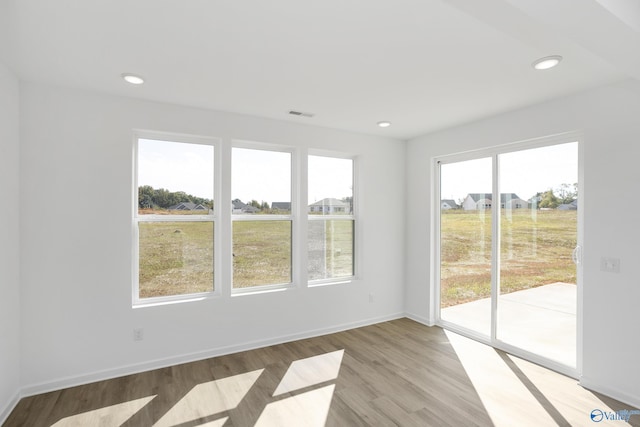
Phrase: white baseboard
{"type": "Point", "coordinates": [419, 319]}
{"type": "Point", "coordinates": [626, 398]}
{"type": "Point", "coordinates": [45, 387]}
{"type": "Point", "coordinates": [9, 407]}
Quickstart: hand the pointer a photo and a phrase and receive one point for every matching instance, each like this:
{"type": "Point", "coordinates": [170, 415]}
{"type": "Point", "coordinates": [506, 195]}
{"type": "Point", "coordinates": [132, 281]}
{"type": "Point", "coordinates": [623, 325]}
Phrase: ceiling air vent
{"type": "Point", "coordinates": [300, 113]}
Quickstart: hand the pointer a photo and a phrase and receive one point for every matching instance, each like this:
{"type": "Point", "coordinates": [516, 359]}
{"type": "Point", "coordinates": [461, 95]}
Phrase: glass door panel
{"type": "Point", "coordinates": [537, 298]}
{"type": "Point", "coordinates": [465, 244]}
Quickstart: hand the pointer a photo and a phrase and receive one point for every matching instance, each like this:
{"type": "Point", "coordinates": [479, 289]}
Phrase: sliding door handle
{"type": "Point", "coordinates": [576, 255]}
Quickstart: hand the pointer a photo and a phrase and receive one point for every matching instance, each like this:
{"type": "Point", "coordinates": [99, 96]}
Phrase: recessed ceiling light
{"type": "Point", "coordinates": [132, 78]}
{"type": "Point", "coordinates": [547, 62]}
{"type": "Point", "coordinates": [384, 124]}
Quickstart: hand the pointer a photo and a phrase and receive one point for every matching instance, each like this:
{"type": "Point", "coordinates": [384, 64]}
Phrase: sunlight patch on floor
{"type": "Point", "coordinates": [216, 423]}
{"type": "Point", "coordinates": [210, 398]}
{"type": "Point", "coordinates": [498, 377]}
{"type": "Point", "coordinates": [114, 415]}
{"type": "Point", "coordinates": [310, 371]}
{"type": "Point", "coordinates": [308, 409]}
{"type": "Point", "coordinates": [209, 404]}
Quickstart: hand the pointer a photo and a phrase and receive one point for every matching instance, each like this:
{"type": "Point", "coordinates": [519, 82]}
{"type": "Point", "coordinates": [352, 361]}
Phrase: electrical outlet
{"type": "Point", "coordinates": [611, 265]}
{"type": "Point", "coordinates": [371, 299]}
{"type": "Point", "coordinates": [138, 334]}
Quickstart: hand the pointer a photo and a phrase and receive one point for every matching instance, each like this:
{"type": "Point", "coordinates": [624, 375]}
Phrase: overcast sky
{"type": "Point", "coordinates": [266, 175]}
{"type": "Point", "coordinates": [176, 167]}
{"type": "Point", "coordinates": [256, 174]}
{"type": "Point", "coordinates": [523, 172]}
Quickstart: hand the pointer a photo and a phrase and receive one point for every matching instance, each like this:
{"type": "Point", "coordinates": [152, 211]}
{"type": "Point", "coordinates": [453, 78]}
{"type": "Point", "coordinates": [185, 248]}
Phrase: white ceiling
{"type": "Point", "coordinates": [421, 64]}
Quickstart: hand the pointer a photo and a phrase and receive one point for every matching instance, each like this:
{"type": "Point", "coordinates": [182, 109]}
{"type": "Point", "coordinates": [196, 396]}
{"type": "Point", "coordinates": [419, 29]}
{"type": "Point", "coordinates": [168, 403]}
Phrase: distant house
{"type": "Point", "coordinates": [481, 201]}
{"type": "Point", "coordinates": [477, 201]}
{"type": "Point", "coordinates": [573, 206]}
{"type": "Point", "coordinates": [281, 206]}
{"type": "Point", "coordinates": [330, 206]}
{"type": "Point", "coordinates": [187, 206]}
{"type": "Point", "coordinates": [239, 207]}
{"type": "Point", "coordinates": [446, 204]}
{"type": "Point", "coordinates": [512, 201]}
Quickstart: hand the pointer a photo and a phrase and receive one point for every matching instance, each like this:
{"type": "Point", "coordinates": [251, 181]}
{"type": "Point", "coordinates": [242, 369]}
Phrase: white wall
{"type": "Point", "coordinates": [9, 242]}
{"type": "Point", "coordinates": [608, 117]}
{"type": "Point", "coordinates": [76, 201]}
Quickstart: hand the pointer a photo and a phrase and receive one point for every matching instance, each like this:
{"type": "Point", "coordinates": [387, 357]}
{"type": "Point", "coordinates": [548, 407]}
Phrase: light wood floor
{"type": "Point", "coordinates": [393, 373]}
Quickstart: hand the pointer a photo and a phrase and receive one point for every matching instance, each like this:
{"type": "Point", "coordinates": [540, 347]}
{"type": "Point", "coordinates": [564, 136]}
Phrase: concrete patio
{"type": "Point", "coordinates": [541, 320]}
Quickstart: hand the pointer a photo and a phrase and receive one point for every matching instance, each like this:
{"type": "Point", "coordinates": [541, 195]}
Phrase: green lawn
{"type": "Point", "coordinates": [330, 249]}
{"type": "Point", "coordinates": [261, 253]}
{"type": "Point", "coordinates": [176, 258]}
{"type": "Point", "coordinates": [534, 251]}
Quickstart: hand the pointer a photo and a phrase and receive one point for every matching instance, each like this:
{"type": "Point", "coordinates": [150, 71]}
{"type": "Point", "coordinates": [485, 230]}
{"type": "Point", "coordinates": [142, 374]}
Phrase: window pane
{"type": "Point", "coordinates": [538, 232]}
{"type": "Point", "coordinates": [261, 182]}
{"type": "Point", "coordinates": [176, 258]}
{"type": "Point", "coordinates": [261, 253]}
{"type": "Point", "coordinates": [465, 243]}
{"type": "Point", "coordinates": [330, 186]}
{"type": "Point", "coordinates": [174, 178]}
{"type": "Point", "coordinates": [330, 245]}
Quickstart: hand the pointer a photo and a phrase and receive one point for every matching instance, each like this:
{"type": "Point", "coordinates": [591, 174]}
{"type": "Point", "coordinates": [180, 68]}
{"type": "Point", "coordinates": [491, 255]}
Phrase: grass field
{"type": "Point", "coordinates": [330, 249]}
{"type": "Point", "coordinates": [261, 253]}
{"type": "Point", "coordinates": [534, 251]}
{"type": "Point", "coordinates": [176, 258]}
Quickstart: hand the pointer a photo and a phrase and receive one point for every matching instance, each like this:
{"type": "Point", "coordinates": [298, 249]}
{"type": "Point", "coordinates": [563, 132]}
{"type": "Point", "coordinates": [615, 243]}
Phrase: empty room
{"type": "Point", "coordinates": [335, 213]}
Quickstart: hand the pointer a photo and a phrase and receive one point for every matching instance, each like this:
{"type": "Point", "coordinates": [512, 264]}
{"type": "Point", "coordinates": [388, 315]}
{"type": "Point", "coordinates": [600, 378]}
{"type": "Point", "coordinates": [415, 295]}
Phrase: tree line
{"type": "Point", "coordinates": [149, 197]}
{"type": "Point", "coordinates": [552, 198]}
{"type": "Point", "coordinates": [256, 204]}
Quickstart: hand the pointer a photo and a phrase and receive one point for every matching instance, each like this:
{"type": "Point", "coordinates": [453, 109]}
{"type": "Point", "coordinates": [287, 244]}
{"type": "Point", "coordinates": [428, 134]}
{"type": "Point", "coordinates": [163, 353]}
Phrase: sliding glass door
{"type": "Point", "coordinates": [508, 248]}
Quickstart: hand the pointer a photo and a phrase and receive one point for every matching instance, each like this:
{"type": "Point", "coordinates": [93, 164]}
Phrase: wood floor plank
{"type": "Point", "coordinates": [392, 373]}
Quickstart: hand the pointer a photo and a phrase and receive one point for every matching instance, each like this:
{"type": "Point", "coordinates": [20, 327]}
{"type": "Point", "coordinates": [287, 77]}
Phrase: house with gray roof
{"type": "Point", "coordinates": [187, 206]}
{"type": "Point", "coordinates": [446, 204]}
{"type": "Point", "coordinates": [239, 207]}
{"type": "Point", "coordinates": [281, 206]}
{"type": "Point", "coordinates": [573, 206]}
{"type": "Point", "coordinates": [330, 206]}
{"type": "Point", "coordinates": [481, 201]}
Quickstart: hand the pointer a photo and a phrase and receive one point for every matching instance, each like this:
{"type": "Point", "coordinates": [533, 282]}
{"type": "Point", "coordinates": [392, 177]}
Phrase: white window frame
{"type": "Point", "coordinates": [292, 217]}
{"type": "Point", "coordinates": [353, 217]}
{"type": "Point", "coordinates": [223, 218]}
{"type": "Point", "coordinates": [214, 218]}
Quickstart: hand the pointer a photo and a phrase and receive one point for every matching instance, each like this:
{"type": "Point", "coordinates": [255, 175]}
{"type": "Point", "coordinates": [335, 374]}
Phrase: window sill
{"type": "Point", "coordinates": [160, 301]}
{"type": "Point", "coordinates": [261, 290]}
{"type": "Point", "coordinates": [331, 282]}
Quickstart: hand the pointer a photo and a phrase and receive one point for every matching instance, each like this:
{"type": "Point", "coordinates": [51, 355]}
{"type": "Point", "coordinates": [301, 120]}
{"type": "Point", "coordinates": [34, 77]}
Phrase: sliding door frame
{"type": "Point", "coordinates": [493, 153]}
